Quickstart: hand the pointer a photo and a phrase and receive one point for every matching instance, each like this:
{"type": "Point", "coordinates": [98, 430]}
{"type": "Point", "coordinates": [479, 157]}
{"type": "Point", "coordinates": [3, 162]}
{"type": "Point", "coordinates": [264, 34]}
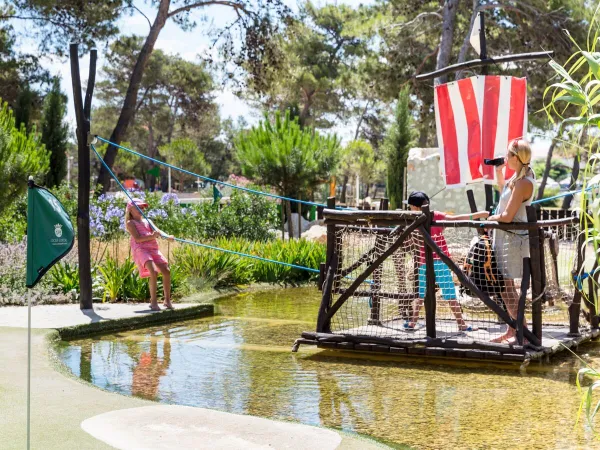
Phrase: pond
{"type": "Point", "coordinates": [240, 361]}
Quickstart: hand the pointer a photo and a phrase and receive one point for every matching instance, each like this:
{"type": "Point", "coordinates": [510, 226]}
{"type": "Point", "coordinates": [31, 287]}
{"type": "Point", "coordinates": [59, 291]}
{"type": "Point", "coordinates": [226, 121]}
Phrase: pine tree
{"type": "Point", "coordinates": [54, 133]}
{"type": "Point", "coordinates": [397, 146]}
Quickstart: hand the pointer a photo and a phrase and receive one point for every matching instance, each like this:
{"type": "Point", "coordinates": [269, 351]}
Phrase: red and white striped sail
{"type": "Point", "coordinates": [476, 118]}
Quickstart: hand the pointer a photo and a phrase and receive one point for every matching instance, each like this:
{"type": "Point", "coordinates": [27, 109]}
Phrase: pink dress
{"type": "Point", "coordinates": [145, 251]}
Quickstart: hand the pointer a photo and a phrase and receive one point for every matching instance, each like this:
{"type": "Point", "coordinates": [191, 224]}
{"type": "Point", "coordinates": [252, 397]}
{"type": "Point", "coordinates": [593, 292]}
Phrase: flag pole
{"type": "Point", "coordinates": [28, 370]}
{"type": "Point", "coordinates": [30, 184]}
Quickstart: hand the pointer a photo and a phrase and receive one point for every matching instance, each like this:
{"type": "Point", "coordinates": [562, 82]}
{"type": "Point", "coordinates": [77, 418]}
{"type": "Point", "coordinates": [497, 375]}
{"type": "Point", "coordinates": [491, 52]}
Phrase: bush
{"type": "Point", "coordinates": [551, 192]}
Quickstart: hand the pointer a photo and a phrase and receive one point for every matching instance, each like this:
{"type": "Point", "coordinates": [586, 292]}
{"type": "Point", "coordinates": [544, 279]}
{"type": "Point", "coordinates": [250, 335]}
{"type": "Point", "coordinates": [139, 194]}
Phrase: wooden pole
{"type": "Point", "coordinates": [592, 299]}
{"type": "Point", "coordinates": [521, 305]}
{"type": "Point", "coordinates": [331, 266]}
{"type": "Point", "coordinates": [536, 274]}
{"type": "Point", "coordinates": [82, 115]}
{"type": "Point", "coordinates": [575, 306]}
{"type": "Point", "coordinates": [430, 302]}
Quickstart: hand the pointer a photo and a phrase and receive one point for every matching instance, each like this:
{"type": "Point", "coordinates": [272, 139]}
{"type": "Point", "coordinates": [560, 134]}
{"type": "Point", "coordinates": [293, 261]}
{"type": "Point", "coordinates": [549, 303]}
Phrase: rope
{"type": "Point", "coordinates": [564, 194]}
{"type": "Point", "coordinates": [253, 191]}
{"type": "Point", "coordinates": [185, 241]}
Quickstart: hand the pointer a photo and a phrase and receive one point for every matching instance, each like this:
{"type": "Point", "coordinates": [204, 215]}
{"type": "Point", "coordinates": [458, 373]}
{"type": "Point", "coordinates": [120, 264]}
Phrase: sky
{"type": "Point", "coordinates": [189, 45]}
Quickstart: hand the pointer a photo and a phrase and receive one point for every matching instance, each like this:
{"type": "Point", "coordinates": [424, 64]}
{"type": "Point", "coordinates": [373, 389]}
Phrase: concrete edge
{"type": "Point", "coordinates": [130, 323]}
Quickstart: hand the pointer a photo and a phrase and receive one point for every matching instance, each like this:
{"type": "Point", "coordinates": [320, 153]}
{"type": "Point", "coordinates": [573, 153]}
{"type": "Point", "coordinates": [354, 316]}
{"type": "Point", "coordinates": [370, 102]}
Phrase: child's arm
{"type": "Point", "coordinates": [160, 232]}
{"type": "Point", "coordinates": [136, 236]}
{"type": "Point", "coordinates": [477, 215]}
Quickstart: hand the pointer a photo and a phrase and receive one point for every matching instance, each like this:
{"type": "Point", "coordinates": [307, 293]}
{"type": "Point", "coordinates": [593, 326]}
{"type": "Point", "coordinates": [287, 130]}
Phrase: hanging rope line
{"type": "Point", "coordinates": [233, 186]}
{"type": "Point", "coordinates": [564, 194]}
{"type": "Point", "coordinates": [185, 241]}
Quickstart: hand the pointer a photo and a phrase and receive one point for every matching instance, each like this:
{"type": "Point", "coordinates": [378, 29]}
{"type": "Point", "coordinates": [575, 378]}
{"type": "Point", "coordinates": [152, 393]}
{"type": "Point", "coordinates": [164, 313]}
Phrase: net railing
{"type": "Point", "coordinates": [389, 303]}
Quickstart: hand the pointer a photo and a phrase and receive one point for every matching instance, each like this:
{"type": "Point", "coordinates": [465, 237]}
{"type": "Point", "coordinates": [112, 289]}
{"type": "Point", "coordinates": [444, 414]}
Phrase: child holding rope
{"type": "Point", "coordinates": [146, 254]}
{"type": "Point", "coordinates": [443, 275]}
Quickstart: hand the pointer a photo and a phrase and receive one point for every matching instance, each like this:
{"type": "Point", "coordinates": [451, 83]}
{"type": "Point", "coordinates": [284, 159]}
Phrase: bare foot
{"type": "Point", "coordinates": [500, 340]}
{"type": "Point", "coordinates": [168, 305]}
{"type": "Point", "coordinates": [154, 307]}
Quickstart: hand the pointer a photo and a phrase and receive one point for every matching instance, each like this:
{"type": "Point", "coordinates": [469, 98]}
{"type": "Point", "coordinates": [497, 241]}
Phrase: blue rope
{"type": "Point", "coordinates": [185, 241]}
{"type": "Point", "coordinates": [253, 191]}
{"type": "Point", "coordinates": [564, 194]}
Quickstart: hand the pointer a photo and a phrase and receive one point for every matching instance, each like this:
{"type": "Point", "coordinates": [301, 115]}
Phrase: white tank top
{"type": "Point", "coordinates": [521, 215]}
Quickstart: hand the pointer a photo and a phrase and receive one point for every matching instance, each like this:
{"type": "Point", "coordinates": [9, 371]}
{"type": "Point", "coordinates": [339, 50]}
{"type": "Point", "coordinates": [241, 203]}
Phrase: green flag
{"type": "Point", "coordinates": [50, 234]}
{"type": "Point", "coordinates": [155, 171]}
{"type": "Point", "coordinates": [216, 194]}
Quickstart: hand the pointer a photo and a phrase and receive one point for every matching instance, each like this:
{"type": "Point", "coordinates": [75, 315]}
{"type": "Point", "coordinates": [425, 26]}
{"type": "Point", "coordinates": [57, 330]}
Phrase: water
{"type": "Point", "coordinates": [240, 361]}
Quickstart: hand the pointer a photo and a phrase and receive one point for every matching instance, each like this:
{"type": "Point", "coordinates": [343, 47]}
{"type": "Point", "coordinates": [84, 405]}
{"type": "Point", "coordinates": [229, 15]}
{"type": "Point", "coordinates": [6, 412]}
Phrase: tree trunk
{"type": "Point", "coordinates": [575, 173]}
{"type": "Point", "coordinates": [343, 195]}
{"type": "Point", "coordinates": [449, 20]}
{"type": "Point", "coordinates": [548, 164]}
{"type": "Point", "coordinates": [290, 222]}
{"type": "Point", "coordinates": [129, 104]}
{"type": "Point", "coordinates": [462, 54]}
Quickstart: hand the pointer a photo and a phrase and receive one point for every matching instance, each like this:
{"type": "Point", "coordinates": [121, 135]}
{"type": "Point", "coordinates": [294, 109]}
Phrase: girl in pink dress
{"type": "Point", "coordinates": [146, 254]}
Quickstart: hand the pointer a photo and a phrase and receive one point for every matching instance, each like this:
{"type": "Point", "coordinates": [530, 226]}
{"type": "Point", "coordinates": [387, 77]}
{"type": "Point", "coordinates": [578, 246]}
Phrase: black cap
{"type": "Point", "coordinates": [417, 199]}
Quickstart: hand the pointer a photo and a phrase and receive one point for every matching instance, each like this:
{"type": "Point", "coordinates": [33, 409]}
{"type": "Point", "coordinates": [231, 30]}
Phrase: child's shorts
{"type": "Point", "coordinates": [141, 256]}
{"type": "Point", "coordinates": [443, 278]}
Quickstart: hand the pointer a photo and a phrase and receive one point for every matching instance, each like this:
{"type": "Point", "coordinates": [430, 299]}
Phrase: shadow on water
{"type": "Point", "coordinates": [241, 362]}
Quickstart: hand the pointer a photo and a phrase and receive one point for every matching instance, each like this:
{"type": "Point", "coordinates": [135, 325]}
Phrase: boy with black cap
{"type": "Point", "coordinates": [443, 275]}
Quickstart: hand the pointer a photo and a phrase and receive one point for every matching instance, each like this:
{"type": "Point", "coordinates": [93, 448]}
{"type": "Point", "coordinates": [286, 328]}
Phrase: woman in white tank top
{"type": "Point", "coordinates": [510, 247]}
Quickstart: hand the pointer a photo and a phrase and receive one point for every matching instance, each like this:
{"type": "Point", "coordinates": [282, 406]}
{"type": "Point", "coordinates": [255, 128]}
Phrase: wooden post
{"type": "Point", "coordinates": [430, 302]}
{"type": "Point", "coordinates": [536, 274]}
{"type": "Point", "coordinates": [331, 263]}
{"type": "Point", "coordinates": [594, 295]}
{"type": "Point", "coordinates": [544, 275]}
{"type": "Point", "coordinates": [575, 306]}
{"type": "Point", "coordinates": [82, 114]}
{"type": "Point", "coordinates": [375, 287]}
{"type": "Point", "coordinates": [592, 299]}
{"type": "Point", "coordinates": [521, 306]}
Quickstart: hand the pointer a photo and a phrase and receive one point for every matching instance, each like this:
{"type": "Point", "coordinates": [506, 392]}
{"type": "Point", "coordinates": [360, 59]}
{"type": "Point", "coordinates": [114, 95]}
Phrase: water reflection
{"type": "Point", "coordinates": [240, 362]}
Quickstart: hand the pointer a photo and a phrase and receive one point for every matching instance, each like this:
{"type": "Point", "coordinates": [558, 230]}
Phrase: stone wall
{"type": "Point", "coordinates": [423, 174]}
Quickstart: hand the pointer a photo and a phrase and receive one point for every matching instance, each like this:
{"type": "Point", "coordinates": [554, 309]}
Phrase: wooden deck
{"type": "Point", "coordinates": [392, 338]}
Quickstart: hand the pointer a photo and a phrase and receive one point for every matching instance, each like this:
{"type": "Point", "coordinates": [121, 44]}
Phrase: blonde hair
{"type": "Point", "coordinates": [521, 149]}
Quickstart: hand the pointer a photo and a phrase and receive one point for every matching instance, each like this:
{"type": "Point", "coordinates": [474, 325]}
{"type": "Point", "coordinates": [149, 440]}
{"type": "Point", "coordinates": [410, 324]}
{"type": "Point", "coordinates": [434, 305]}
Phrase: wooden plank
{"type": "Point", "coordinates": [430, 300]}
{"type": "Point", "coordinates": [364, 347]}
{"type": "Point", "coordinates": [369, 270]}
{"type": "Point", "coordinates": [351, 216]}
{"type": "Point", "coordinates": [435, 351]}
{"type": "Point", "coordinates": [345, 345]}
{"type": "Point", "coordinates": [330, 233]}
{"type": "Point", "coordinates": [504, 226]}
{"type": "Point", "coordinates": [513, 357]}
{"type": "Point", "coordinates": [416, 350]}
{"type": "Point", "coordinates": [536, 273]}
{"type": "Point", "coordinates": [327, 344]}
{"type": "Point", "coordinates": [456, 353]}
{"type": "Point", "coordinates": [398, 350]}
{"type": "Point", "coordinates": [380, 348]}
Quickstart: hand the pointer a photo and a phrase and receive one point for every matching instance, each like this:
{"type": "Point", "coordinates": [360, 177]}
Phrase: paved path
{"type": "Point", "coordinates": [60, 316]}
{"type": "Point", "coordinates": [69, 414]}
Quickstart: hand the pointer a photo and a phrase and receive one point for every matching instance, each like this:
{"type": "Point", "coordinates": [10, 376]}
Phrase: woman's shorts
{"type": "Point", "coordinates": [510, 249]}
{"type": "Point", "coordinates": [443, 278]}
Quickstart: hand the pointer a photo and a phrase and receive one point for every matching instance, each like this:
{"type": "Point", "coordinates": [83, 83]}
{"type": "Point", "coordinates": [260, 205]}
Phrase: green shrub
{"type": "Point", "coordinates": [65, 277]}
{"type": "Point", "coordinates": [551, 192]}
{"type": "Point", "coordinates": [114, 276]}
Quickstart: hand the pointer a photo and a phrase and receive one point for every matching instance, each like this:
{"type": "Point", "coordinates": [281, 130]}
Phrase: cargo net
{"type": "Point", "coordinates": [388, 304]}
{"type": "Point", "coordinates": [560, 257]}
